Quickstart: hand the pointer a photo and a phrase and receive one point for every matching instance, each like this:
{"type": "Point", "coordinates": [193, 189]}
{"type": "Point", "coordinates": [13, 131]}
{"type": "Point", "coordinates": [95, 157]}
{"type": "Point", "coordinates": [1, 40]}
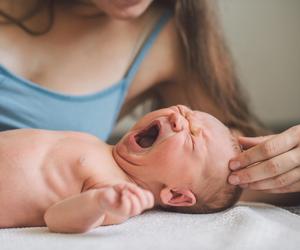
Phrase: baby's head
{"type": "Point", "coordinates": [182, 157]}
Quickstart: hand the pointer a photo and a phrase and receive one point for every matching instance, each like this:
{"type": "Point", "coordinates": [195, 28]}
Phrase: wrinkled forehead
{"type": "Point", "coordinates": [219, 129]}
{"type": "Point", "coordinates": [205, 117]}
{"type": "Point", "coordinates": [210, 123]}
{"type": "Point", "coordinates": [221, 144]}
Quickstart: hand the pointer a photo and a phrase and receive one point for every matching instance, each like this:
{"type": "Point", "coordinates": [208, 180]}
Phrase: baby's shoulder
{"type": "Point", "coordinates": [93, 157]}
{"type": "Point", "coordinates": [77, 135]}
{"type": "Point", "coordinates": [84, 145]}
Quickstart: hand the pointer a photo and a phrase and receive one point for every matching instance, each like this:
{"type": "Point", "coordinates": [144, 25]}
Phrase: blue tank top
{"type": "Point", "coordinates": [24, 104]}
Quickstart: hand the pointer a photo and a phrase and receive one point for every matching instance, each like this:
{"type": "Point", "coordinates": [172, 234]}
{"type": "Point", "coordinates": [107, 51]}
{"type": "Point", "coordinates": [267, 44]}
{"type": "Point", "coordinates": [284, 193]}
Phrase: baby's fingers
{"type": "Point", "coordinates": [108, 198]}
{"type": "Point", "coordinates": [129, 204]}
{"type": "Point", "coordinates": [145, 197]}
{"type": "Point", "coordinates": [150, 199]}
{"type": "Point", "coordinates": [135, 205]}
{"type": "Point", "coordinates": [125, 204]}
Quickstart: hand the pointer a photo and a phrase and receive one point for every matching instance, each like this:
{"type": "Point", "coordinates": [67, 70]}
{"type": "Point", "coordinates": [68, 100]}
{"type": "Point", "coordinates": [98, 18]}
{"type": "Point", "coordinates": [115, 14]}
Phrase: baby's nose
{"type": "Point", "coordinates": [178, 122]}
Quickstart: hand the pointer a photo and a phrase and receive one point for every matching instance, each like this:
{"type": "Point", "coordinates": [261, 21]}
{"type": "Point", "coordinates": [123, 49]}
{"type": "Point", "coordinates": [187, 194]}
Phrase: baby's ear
{"type": "Point", "coordinates": [178, 197]}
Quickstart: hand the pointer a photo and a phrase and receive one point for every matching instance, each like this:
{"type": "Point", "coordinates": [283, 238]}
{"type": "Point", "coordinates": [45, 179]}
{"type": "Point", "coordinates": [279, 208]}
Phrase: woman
{"type": "Point", "coordinates": [79, 65]}
{"type": "Point", "coordinates": [66, 59]}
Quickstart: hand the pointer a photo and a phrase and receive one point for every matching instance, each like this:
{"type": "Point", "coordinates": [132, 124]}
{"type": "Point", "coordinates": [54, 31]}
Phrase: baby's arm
{"type": "Point", "coordinates": [88, 210]}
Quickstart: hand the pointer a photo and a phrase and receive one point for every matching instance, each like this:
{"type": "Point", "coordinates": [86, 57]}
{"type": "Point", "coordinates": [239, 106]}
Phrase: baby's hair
{"type": "Point", "coordinates": [222, 199]}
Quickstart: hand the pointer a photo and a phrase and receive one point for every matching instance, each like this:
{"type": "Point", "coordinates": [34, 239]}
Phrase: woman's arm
{"type": "Point", "coordinates": [90, 209]}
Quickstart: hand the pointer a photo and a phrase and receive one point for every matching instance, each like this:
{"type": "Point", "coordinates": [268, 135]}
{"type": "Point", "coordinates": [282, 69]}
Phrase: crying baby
{"type": "Point", "coordinates": [175, 159]}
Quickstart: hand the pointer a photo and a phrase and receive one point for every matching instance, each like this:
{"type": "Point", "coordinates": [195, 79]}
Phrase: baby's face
{"type": "Point", "coordinates": [178, 147]}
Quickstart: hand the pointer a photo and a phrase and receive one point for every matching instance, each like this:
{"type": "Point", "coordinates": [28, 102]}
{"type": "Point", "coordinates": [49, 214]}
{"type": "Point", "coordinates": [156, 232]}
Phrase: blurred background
{"type": "Point", "coordinates": [264, 38]}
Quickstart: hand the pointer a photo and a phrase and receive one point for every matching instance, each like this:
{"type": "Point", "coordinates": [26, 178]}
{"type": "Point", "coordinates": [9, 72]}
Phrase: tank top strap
{"type": "Point", "coordinates": [146, 46]}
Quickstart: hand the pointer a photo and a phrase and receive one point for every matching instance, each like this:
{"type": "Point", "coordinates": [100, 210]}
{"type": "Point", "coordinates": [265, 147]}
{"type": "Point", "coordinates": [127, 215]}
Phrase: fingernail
{"type": "Point", "coordinates": [233, 179]}
{"type": "Point", "coordinates": [234, 165]}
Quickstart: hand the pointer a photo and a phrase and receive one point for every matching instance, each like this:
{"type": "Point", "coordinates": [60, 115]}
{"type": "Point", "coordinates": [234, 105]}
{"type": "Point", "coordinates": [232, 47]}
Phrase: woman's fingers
{"type": "Point", "coordinates": [295, 187]}
{"type": "Point", "coordinates": [249, 142]}
{"type": "Point", "coordinates": [280, 181]}
{"type": "Point", "coordinates": [267, 169]}
{"type": "Point", "coordinates": [271, 164]}
{"type": "Point", "coordinates": [268, 149]}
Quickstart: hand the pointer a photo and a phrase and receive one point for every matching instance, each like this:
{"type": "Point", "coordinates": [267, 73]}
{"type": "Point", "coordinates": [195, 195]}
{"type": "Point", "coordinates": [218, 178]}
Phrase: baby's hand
{"type": "Point", "coordinates": [125, 199]}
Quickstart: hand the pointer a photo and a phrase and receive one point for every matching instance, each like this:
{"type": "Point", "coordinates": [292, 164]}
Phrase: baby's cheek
{"type": "Point", "coordinates": [169, 153]}
{"type": "Point", "coordinates": [161, 158]}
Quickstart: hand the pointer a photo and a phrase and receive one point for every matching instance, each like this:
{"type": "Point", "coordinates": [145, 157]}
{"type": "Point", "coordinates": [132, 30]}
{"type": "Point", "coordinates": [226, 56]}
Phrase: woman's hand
{"type": "Point", "coordinates": [270, 164]}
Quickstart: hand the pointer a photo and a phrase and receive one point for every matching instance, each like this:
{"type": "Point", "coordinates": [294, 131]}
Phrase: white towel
{"type": "Point", "coordinates": [246, 226]}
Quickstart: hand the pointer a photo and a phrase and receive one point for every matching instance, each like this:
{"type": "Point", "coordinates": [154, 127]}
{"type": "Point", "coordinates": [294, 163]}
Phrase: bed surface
{"type": "Point", "coordinates": [246, 226]}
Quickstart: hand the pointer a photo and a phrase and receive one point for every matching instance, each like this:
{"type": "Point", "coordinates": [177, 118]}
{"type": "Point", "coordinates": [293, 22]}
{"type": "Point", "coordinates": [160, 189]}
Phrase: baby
{"type": "Point", "coordinates": [173, 158]}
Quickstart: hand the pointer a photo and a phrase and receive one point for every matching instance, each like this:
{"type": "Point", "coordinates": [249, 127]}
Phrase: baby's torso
{"type": "Point", "coordinates": [39, 168]}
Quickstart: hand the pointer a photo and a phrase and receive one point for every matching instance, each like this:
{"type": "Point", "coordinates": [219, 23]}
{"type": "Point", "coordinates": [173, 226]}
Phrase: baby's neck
{"type": "Point", "coordinates": [110, 171]}
{"type": "Point", "coordinates": [136, 174]}
{"type": "Point", "coordinates": [117, 169]}
{"type": "Point", "coordinates": [101, 167]}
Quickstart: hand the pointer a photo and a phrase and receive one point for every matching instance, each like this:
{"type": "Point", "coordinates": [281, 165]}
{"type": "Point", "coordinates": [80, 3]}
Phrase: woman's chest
{"type": "Point", "coordinates": [70, 63]}
{"type": "Point", "coordinates": [79, 58]}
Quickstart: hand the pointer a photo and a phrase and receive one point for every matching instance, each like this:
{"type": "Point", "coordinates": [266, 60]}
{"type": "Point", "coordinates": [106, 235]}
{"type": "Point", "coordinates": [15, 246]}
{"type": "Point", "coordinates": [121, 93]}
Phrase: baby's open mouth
{"type": "Point", "coordinates": [148, 136]}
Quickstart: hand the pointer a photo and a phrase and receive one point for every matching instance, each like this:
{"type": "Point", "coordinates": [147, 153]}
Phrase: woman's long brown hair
{"type": "Point", "coordinates": [210, 65]}
{"type": "Point", "coordinates": [207, 59]}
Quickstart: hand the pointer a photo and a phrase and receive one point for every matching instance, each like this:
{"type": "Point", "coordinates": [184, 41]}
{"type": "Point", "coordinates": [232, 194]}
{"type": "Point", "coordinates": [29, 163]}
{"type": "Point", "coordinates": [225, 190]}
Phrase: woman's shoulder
{"type": "Point", "coordinates": [168, 44]}
{"type": "Point", "coordinates": [164, 62]}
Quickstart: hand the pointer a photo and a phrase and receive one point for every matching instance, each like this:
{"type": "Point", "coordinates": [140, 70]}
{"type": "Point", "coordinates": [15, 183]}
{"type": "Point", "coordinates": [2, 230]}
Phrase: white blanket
{"type": "Point", "coordinates": [246, 226]}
